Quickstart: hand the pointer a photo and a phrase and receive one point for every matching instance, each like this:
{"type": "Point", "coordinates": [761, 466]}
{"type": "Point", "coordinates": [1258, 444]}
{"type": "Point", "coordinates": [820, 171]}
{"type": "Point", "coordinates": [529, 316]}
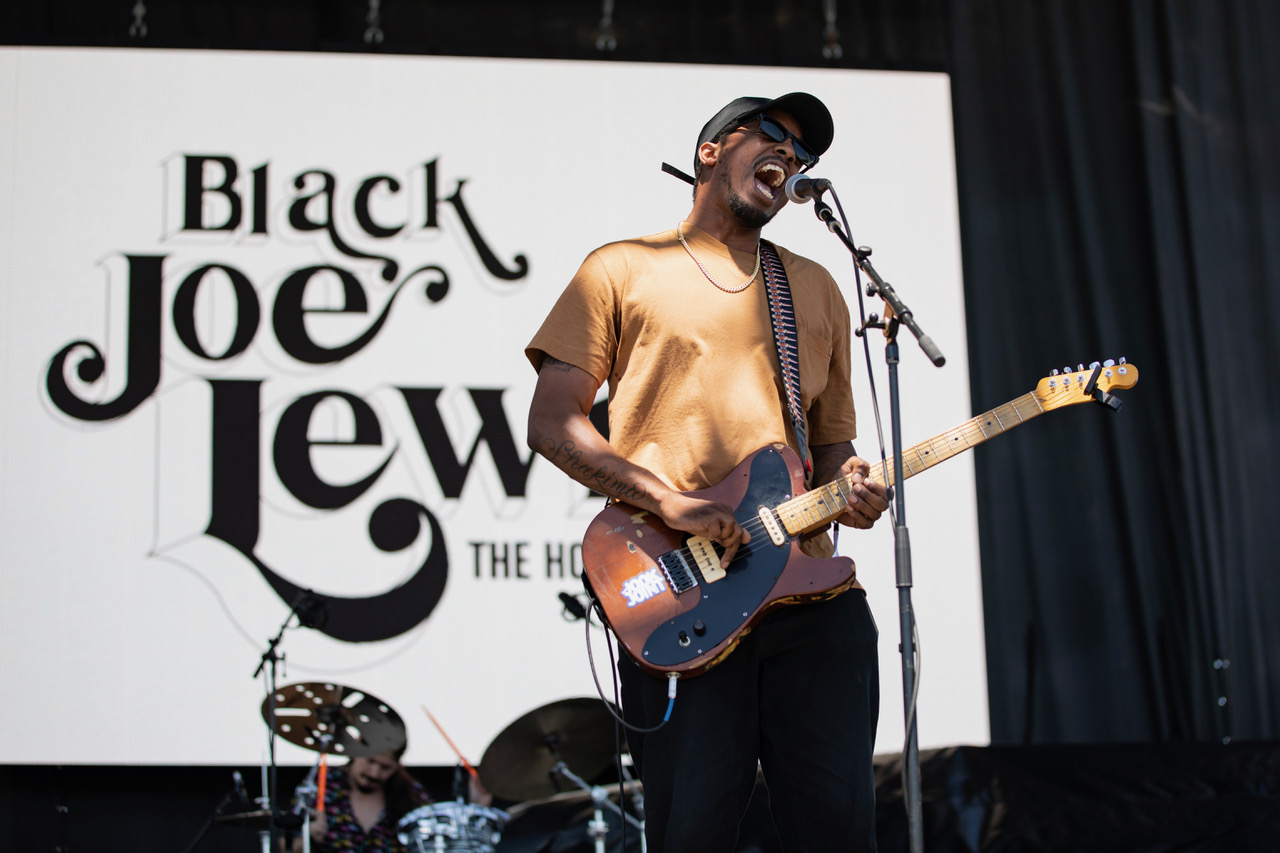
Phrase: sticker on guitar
{"type": "Point", "coordinates": [642, 587]}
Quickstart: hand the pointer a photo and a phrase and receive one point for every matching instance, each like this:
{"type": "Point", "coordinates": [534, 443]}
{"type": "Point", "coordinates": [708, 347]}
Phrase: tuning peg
{"type": "Point", "coordinates": [1109, 363]}
{"type": "Point", "coordinates": [1053, 372]}
{"type": "Point", "coordinates": [1066, 369]}
{"type": "Point", "coordinates": [1095, 365]}
{"type": "Point", "coordinates": [1080, 368]}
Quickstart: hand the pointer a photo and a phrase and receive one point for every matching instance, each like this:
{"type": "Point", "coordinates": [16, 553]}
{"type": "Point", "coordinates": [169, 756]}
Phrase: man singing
{"type": "Point", "coordinates": [678, 324]}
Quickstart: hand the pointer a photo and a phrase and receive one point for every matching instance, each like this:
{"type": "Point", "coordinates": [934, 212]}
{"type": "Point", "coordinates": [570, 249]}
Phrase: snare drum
{"type": "Point", "coordinates": [452, 827]}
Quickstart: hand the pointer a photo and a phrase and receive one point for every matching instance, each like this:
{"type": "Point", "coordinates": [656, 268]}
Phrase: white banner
{"type": "Point", "coordinates": [264, 319]}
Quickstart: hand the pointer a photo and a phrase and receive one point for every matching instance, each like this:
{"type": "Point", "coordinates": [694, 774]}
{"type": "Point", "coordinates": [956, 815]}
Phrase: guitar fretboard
{"type": "Point", "coordinates": [822, 505]}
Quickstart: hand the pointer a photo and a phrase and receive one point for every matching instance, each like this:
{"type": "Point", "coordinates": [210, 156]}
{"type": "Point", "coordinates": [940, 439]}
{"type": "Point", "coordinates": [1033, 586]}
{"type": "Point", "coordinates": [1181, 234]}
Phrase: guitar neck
{"type": "Point", "coordinates": [824, 504]}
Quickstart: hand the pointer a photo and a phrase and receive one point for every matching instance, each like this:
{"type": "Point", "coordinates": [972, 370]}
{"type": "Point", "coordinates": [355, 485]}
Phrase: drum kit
{"type": "Point", "coordinates": [541, 764]}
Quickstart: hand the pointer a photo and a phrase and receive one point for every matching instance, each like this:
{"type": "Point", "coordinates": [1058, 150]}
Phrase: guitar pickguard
{"type": "Point", "coordinates": [728, 602]}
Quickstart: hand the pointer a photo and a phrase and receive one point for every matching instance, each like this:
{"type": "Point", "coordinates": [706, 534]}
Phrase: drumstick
{"type": "Point", "coordinates": [449, 741]}
{"type": "Point", "coordinates": [324, 772]}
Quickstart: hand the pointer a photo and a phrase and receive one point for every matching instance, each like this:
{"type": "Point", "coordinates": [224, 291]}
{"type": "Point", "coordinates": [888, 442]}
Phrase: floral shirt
{"type": "Point", "coordinates": [344, 831]}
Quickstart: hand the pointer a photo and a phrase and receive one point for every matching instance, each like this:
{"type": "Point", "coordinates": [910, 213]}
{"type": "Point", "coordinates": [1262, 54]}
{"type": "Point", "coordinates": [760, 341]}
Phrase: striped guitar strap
{"type": "Point", "coordinates": [783, 317]}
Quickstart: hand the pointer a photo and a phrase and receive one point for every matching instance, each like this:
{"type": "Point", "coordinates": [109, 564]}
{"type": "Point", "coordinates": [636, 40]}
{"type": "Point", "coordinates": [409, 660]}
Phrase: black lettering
{"type": "Point", "coordinates": [146, 273]}
{"type": "Point", "coordinates": [430, 196]}
{"type": "Point", "coordinates": [260, 199]}
{"type": "Point", "coordinates": [298, 219]}
{"type": "Point", "coordinates": [487, 257]}
{"type": "Point", "coordinates": [288, 316]}
{"type": "Point", "coordinates": [235, 468]}
{"type": "Point", "coordinates": [248, 312]}
{"type": "Point", "coordinates": [495, 432]}
{"type": "Point", "coordinates": [292, 451]}
{"type": "Point", "coordinates": [193, 206]}
{"type": "Point", "coordinates": [500, 560]}
{"type": "Point", "coordinates": [364, 217]}
{"type": "Point", "coordinates": [563, 563]}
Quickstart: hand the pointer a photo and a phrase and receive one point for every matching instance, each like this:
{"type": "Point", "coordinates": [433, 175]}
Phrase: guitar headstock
{"type": "Point", "coordinates": [1069, 387]}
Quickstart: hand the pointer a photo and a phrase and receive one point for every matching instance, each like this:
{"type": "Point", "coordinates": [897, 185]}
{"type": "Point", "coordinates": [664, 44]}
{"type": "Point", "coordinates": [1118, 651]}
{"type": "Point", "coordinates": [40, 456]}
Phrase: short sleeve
{"type": "Point", "coordinates": [582, 327]}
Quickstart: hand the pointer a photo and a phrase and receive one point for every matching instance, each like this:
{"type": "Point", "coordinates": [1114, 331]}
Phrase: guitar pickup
{"type": "Point", "coordinates": [706, 558]}
{"type": "Point", "coordinates": [773, 526]}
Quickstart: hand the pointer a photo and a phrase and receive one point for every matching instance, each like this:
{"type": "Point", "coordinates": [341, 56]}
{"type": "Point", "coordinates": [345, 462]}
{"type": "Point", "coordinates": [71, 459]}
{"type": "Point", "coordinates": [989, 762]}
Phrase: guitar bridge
{"type": "Point", "coordinates": [678, 571]}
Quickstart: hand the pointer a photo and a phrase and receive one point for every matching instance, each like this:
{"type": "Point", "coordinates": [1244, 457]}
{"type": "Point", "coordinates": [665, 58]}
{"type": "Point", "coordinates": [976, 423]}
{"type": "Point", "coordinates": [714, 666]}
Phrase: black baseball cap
{"type": "Point", "coordinates": [816, 127]}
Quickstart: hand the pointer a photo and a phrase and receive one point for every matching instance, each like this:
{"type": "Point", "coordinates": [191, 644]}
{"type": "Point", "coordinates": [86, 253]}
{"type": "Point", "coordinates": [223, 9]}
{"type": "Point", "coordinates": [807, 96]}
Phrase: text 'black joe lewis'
{"type": "Point", "coordinates": [216, 197]}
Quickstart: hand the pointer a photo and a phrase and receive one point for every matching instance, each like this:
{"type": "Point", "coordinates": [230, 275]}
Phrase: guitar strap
{"type": "Point", "coordinates": [783, 317]}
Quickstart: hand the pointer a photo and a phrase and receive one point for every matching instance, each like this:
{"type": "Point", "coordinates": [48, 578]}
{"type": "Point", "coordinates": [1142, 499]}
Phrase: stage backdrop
{"type": "Point", "coordinates": [263, 320]}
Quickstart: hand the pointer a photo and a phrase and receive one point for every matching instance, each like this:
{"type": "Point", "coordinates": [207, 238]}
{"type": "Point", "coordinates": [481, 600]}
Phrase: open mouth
{"type": "Point", "coordinates": [769, 178]}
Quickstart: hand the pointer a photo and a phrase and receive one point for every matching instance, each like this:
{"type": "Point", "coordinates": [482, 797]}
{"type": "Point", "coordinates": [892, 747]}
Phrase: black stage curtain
{"type": "Point", "coordinates": [1119, 177]}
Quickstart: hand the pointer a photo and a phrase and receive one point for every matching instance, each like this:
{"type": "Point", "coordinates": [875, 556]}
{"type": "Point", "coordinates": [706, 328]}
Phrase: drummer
{"type": "Point", "coordinates": [364, 801]}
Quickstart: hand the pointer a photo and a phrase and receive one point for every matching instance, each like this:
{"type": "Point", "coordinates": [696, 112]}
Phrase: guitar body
{"type": "Point", "coordinates": [636, 567]}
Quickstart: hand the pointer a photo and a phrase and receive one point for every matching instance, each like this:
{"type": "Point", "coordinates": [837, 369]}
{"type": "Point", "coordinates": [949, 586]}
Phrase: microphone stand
{"type": "Point", "coordinates": [306, 608]}
{"type": "Point", "coordinates": [897, 313]}
{"type": "Point", "coordinates": [209, 821]}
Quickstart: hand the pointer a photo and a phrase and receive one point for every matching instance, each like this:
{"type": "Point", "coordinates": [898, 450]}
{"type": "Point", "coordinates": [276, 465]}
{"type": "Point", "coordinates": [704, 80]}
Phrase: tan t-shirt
{"type": "Point", "coordinates": [694, 381]}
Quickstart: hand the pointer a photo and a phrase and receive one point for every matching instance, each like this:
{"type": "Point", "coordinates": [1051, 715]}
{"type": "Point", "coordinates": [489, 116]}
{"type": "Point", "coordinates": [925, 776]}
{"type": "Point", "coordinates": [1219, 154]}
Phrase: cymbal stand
{"type": "Point", "coordinates": [309, 788]}
{"type": "Point", "coordinates": [304, 603]}
{"type": "Point", "coordinates": [598, 828]}
{"type": "Point", "coordinates": [637, 801]}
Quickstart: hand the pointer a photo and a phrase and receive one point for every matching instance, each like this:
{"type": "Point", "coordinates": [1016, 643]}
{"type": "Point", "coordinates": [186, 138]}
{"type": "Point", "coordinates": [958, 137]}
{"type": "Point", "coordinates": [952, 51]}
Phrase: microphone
{"type": "Point", "coordinates": [801, 189]}
{"type": "Point", "coordinates": [573, 605]}
{"type": "Point", "coordinates": [312, 610]}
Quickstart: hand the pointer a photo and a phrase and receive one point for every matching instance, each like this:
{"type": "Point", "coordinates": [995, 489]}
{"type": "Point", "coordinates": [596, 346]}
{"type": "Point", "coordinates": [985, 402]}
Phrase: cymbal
{"type": "Point", "coordinates": [575, 797]}
{"type": "Point", "coordinates": [536, 818]}
{"type": "Point", "coordinates": [518, 764]}
{"type": "Point", "coordinates": [334, 719]}
{"type": "Point", "coordinates": [254, 820]}
{"type": "Point", "coordinates": [260, 819]}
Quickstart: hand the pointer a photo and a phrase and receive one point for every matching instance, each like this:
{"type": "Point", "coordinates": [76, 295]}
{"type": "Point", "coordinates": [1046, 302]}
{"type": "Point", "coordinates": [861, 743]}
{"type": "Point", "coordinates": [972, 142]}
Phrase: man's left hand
{"type": "Point", "coordinates": [868, 499]}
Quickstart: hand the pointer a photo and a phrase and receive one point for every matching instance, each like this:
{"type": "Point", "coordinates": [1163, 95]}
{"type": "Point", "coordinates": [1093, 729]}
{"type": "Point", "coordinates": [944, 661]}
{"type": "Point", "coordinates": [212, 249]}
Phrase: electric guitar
{"type": "Point", "coordinates": [675, 610]}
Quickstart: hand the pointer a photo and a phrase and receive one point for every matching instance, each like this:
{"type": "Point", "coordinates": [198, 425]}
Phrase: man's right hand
{"type": "Point", "coordinates": [711, 519]}
{"type": "Point", "coordinates": [319, 826]}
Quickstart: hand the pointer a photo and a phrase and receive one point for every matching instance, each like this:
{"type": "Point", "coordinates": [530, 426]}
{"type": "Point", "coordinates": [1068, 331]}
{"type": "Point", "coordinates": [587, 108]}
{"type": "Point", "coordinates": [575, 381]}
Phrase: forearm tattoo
{"type": "Point", "coordinates": [569, 459]}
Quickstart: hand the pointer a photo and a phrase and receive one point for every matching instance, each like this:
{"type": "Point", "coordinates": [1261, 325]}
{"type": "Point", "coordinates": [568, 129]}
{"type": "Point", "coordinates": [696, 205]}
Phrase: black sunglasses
{"type": "Point", "coordinates": [775, 132]}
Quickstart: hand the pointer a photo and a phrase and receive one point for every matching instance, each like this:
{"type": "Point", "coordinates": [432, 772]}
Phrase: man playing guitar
{"type": "Point", "coordinates": [679, 326]}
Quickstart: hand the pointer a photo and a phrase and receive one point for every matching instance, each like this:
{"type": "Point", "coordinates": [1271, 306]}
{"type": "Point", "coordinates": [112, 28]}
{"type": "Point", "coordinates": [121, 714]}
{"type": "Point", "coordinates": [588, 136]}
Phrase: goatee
{"type": "Point", "coordinates": [746, 214]}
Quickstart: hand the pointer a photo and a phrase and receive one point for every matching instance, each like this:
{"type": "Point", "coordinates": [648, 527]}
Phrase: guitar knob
{"type": "Point", "coordinates": [700, 628]}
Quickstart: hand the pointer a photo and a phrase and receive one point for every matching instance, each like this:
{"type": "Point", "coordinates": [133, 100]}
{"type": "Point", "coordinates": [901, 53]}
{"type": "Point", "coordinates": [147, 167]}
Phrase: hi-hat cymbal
{"type": "Point", "coordinates": [335, 719]}
{"type": "Point", "coordinates": [575, 798]}
{"type": "Point", "coordinates": [518, 764]}
{"type": "Point", "coordinates": [536, 818]}
{"type": "Point", "coordinates": [254, 820]}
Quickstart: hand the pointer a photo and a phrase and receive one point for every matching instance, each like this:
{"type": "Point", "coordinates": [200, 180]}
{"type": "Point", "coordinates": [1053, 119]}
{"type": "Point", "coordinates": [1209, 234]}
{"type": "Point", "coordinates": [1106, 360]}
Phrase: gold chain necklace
{"type": "Point", "coordinates": [737, 289]}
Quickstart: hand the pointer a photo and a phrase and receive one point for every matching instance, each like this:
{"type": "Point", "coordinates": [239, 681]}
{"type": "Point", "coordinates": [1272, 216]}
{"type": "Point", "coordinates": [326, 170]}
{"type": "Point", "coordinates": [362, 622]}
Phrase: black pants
{"type": "Point", "coordinates": [801, 696]}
